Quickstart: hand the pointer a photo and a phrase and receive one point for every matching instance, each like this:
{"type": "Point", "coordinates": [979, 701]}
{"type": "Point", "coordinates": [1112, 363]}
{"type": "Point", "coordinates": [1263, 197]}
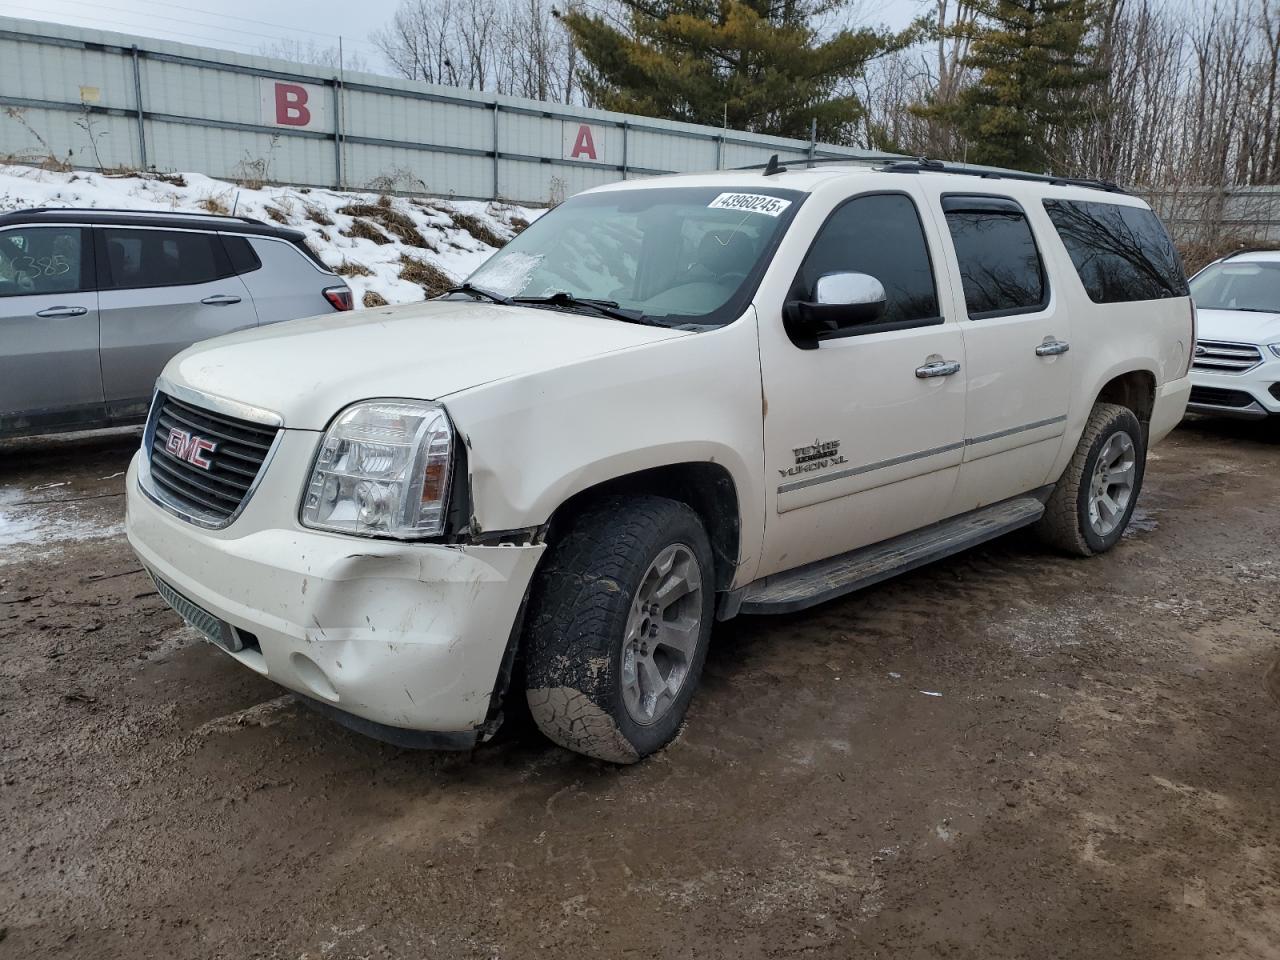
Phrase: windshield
{"type": "Point", "coordinates": [1235, 285]}
{"type": "Point", "coordinates": [675, 255]}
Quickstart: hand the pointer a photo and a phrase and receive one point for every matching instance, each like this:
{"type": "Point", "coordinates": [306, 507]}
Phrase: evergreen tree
{"type": "Point", "coordinates": [756, 65]}
{"type": "Point", "coordinates": [1035, 66]}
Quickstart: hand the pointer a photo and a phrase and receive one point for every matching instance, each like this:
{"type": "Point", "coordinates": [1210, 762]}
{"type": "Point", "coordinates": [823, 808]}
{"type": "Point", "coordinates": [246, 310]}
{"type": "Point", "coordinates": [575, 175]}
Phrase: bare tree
{"type": "Point", "coordinates": [309, 51]}
{"type": "Point", "coordinates": [514, 47]}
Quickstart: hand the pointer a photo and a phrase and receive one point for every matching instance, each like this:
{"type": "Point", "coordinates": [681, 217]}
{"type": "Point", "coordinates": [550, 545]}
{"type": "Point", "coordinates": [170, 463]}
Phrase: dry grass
{"type": "Point", "coordinates": [276, 214]}
{"type": "Point", "coordinates": [364, 230]}
{"type": "Point", "coordinates": [317, 215]}
{"type": "Point", "coordinates": [373, 299]}
{"type": "Point", "coordinates": [393, 221]}
{"type": "Point", "coordinates": [478, 229]}
{"type": "Point", "coordinates": [426, 275]}
{"type": "Point", "coordinates": [214, 203]}
{"type": "Point", "coordinates": [517, 224]}
{"type": "Point", "coordinates": [352, 268]}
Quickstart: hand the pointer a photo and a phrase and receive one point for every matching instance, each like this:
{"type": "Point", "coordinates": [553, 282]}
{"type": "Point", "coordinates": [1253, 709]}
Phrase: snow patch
{"type": "Point", "coordinates": [444, 228]}
{"type": "Point", "coordinates": [24, 525]}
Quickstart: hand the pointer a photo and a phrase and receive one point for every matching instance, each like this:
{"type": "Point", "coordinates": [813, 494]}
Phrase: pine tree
{"type": "Point", "coordinates": [1035, 66]}
{"type": "Point", "coordinates": [757, 65]}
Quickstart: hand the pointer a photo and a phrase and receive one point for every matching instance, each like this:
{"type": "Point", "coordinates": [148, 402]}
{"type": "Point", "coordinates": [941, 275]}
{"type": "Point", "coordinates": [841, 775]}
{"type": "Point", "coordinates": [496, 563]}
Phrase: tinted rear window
{"type": "Point", "coordinates": [163, 258]}
{"type": "Point", "coordinates": [1121, 253]}
{"type": "Point", "coordinates": [999, 263]}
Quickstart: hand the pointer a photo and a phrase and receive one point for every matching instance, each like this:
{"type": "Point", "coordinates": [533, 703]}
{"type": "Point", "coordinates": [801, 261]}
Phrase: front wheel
{"type": "Point", "coordinates": [1094, 500]}
{"type": "Point", "coordinates": [619, 622]}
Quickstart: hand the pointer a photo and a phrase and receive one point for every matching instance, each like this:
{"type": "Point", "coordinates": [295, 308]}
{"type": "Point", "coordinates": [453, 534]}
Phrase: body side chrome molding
{"type": "Point", "coordinates": [909, 457]}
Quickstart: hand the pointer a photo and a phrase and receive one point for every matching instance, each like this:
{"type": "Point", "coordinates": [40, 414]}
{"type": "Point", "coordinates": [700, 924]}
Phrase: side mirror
{"type": "Point", "coordinates": [840, 300]}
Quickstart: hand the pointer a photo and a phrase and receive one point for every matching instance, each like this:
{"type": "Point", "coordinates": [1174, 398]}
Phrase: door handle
{"type": "Point", "coordinates": [938, 368]}
{"type": "Point", "coordinates": [1052, 347]}
{"type": "Point", "coordinates": [220, 300]}
{"type": "Point", "coordinates": [63, 312]}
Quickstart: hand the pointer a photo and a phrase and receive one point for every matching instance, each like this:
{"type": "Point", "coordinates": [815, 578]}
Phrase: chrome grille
{"type": "Point", "coordinates": [211, 496]}
{"type": "Point", "coordinates": [1219, 356]}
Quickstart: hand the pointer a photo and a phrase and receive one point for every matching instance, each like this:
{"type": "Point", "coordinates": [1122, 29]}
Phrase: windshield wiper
{"type": "Point", "coordinates": [605, 308]}
{"type": "Point", "coordinates": [476, 293]}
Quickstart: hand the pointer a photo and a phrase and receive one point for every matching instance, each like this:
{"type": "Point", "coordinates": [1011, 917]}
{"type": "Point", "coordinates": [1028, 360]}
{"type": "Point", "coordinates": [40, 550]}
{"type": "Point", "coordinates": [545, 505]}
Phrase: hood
{"type": "Point", "coordinates": [308, 370]}
{"type": "Point", "coordinates": [1240, 326]}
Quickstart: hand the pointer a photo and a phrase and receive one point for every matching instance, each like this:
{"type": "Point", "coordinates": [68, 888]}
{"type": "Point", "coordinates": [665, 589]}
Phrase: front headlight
{"type": "Point", "coordinates": [383, 470]}
{"type": "Point", "coordinates": [1275, 348]}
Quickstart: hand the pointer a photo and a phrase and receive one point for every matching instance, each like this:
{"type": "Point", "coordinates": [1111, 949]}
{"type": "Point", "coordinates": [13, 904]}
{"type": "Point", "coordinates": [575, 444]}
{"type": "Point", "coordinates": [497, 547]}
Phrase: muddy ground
{"type": "Point", "coordinates": [1008, 754]}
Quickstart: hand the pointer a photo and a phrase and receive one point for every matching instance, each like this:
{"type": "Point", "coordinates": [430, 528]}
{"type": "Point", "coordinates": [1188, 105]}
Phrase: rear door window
{"type": "Point", "coordinates": [1000, 265]}
{"type": "Point", "coordinates": [43, 260]}
{"type": "Point", "coordinates": [162, 258]}
{"type": "Point", "coordinates": [1122, 254]}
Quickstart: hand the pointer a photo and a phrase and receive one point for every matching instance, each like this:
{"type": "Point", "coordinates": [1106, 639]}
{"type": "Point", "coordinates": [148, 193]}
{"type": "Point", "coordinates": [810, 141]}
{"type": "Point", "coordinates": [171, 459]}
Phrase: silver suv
{"type": "Point", "coordinates": [93, 303]}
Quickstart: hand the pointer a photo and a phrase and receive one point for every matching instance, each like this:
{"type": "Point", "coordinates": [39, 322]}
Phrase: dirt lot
{"type": "Point", "coordinates": [1009, 754]}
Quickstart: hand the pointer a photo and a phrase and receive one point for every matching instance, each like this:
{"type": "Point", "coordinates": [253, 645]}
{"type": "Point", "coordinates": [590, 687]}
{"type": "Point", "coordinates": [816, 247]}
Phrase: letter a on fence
{"type": "Point", "coordinates": [583, 145]}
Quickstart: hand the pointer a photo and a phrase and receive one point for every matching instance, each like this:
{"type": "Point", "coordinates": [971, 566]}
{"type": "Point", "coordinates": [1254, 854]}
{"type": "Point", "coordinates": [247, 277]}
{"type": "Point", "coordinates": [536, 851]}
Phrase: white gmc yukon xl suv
{"type": "Point", "coordinates": [666, 402]}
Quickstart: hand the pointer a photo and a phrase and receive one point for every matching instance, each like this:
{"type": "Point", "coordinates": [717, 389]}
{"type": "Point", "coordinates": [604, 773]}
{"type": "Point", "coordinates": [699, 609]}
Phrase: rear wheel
{"type": "Point", "coordinates": [619, 622]}
{"type": "Point", "coordinates": [1095, 498]}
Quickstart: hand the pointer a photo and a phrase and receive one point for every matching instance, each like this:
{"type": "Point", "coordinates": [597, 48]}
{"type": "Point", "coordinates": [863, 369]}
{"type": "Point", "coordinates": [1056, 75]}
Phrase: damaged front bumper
{"type": "Point", "coordinates": [407, 642]}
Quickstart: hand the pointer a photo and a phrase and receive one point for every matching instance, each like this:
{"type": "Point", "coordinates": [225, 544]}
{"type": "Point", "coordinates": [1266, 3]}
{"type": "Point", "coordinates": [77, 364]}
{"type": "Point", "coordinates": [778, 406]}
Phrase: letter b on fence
{"type": "Point", "coordinates": [286, 104]}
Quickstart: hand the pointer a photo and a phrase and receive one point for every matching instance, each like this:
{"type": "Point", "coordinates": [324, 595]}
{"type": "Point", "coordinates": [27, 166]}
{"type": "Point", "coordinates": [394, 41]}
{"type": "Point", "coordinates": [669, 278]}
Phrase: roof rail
{"type": "Point", "coordinates": [926, 165]}
{"type": "Point", "coordinates": [891, 163]}
{"type": "Point", "coordinates": [780, 166]}
{"type": "Point", "coordinates": [138, 213]}
{"type": "Point", "coordinates": [1243, 250]}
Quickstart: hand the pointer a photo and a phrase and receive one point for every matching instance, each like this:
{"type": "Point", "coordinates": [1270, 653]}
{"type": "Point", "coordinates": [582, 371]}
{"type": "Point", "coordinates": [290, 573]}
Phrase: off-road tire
{"type": "Point", "coordinates": [577, 616]}
{"type": "Point", "coordinates": [1065, 523]}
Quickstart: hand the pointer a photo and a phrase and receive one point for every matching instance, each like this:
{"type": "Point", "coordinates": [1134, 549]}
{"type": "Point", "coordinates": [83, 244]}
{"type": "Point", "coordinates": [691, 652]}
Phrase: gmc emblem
{"type": "Point", "coordinates": [188, 447]}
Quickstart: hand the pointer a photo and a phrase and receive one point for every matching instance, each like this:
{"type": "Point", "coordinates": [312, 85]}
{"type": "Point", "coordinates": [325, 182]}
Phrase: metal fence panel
{"type": "Point", "coordinates": [114, 100]}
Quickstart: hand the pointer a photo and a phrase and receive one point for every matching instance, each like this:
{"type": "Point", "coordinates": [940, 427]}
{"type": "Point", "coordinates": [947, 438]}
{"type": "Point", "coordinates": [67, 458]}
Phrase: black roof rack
{"type": "Point", "coordinates": [139, 213]}
{"type": "Point", "coordinates": [892, 164]}
{"type": "Point", "coordinates": [926, 165]}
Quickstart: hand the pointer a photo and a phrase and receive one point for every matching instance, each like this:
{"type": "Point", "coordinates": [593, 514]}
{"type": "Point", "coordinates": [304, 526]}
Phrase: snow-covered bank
{"type": "Point", "coordinates": [391, 249]}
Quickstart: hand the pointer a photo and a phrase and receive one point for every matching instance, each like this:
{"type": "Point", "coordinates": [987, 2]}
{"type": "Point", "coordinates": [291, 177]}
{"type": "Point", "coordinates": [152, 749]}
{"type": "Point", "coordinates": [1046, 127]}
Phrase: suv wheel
{"type": "Point", "coordinates": [1093, 501]}
{"type": "Point", "coordinates": [619, 622]}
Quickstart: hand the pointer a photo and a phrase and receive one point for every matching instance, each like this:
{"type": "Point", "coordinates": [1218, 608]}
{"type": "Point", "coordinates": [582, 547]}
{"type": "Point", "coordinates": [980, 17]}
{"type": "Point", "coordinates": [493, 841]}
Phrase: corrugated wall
{"type": "Point", "coordinates": [108, 100]}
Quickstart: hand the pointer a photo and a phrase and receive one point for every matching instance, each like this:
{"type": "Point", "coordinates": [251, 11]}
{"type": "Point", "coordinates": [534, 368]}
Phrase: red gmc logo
{"type": "Point", "coordinates": [186, 446]}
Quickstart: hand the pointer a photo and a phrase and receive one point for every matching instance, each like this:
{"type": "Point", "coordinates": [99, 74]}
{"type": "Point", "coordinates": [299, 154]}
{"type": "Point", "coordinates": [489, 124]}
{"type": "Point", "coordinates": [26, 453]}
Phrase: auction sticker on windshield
{"type": "Point", "coordinates": [751, 202]}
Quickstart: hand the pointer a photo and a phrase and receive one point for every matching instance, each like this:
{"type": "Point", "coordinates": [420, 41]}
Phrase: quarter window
{"type": "Point", "coordinates": [880, 235]}
{"type": "Point", "coordinates": [243, 257]}
{"type": "Point", "coordinates": [41, 260]}
{"type": "Point", "coordinates": [1000, 266]}
{"type": "Point", "coordinates": [163, 258]}
{"type": "Point", "coordinates": [1121, 253]}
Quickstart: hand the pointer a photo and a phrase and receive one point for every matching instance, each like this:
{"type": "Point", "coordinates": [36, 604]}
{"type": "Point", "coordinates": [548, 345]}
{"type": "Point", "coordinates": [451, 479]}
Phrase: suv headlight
{"type": "Point", "coordinates": [1275, 348]}
{"type": "Point", "coordinates": [382, 471]}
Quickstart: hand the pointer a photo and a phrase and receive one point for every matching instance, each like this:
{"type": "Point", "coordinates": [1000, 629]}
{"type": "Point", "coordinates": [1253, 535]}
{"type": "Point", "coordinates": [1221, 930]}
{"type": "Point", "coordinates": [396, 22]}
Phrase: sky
{"type": "Point", "coordinates": [250, 26]}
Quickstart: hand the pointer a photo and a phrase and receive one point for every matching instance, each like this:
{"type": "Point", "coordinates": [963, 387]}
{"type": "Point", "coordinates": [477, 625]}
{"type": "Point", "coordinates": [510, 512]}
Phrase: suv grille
{"type": "Point", "coordinates": [1221, 357]}
{"type": "Point", "coordinates": [183, 438]}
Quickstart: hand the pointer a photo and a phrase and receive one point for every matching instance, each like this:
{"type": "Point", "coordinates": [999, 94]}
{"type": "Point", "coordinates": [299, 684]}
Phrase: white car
{"type": "Point", "coordinates": [1236, 371]}
{"type": "Point", "coordinates": [666, 402]}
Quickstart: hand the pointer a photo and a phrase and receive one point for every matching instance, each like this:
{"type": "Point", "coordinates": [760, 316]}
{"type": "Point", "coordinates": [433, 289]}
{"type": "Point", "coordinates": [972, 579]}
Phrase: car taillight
{"type": "Point", "coordinates": [339, 297]}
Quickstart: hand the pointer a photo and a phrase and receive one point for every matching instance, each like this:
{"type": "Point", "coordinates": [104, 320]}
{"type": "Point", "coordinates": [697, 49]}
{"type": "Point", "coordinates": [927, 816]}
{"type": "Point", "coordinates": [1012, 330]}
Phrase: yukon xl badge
{"type": "Point", "coordinates": [187, 446]}
{"type": "Point", "coordinates": [816, 456]}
